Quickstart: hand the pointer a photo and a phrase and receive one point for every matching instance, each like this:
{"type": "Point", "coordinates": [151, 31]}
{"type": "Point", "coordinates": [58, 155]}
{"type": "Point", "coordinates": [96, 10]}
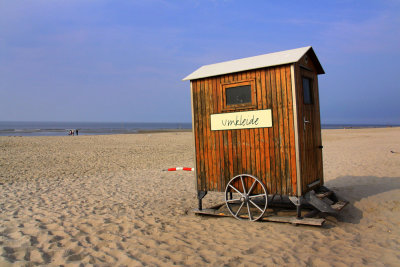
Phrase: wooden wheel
{"type": "Point", "coordinates": [241, 200]}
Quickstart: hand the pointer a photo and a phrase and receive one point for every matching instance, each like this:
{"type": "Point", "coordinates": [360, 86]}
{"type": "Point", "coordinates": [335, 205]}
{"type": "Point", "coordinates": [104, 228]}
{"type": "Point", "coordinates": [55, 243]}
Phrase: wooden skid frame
{"type": "Point", "coordinates": [214, 211]}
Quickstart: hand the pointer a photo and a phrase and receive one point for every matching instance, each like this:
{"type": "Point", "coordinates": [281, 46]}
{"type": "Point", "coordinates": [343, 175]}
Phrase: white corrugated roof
{"type": "Point", "coordinates": [250, 63]}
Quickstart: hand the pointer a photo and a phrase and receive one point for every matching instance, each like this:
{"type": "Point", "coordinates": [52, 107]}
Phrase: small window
{"type": "Point", "coordinates": [238, 95]}
{"type": "Point", "coordinates": [307, 91]}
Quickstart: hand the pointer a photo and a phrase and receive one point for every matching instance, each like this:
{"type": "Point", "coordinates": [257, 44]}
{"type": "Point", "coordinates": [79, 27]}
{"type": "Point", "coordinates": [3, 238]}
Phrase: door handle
{"type": "Point", "coordinates": [305, 121]}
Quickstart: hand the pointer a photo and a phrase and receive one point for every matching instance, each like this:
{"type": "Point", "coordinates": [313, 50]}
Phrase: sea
{"type": "Point", "coordinates": [24, 128]}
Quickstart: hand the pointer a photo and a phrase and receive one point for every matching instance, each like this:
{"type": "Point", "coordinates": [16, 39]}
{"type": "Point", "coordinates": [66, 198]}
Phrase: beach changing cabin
{"type": "Point", "coordinates": [257, 130]}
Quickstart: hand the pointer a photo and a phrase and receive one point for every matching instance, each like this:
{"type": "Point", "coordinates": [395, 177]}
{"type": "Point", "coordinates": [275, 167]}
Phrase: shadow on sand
{"type": "Point", "coordinates": [356, 188]}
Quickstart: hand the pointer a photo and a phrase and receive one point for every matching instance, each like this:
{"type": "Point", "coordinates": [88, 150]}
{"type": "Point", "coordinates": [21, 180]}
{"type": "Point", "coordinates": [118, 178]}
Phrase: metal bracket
{"type": "Point", "coordinates": [297, 202]}
{"type": "Point", "coordinates": [200, 196]}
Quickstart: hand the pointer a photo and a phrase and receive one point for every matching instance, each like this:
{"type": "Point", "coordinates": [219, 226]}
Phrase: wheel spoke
{"type": "Point", "coordinates": [251, 188]}
{"type": "Point", "coordinates": [248, 209]}
{"type": "Point", "coordinates": [244, 188]}
{"type": "Point", "coordinates": [255, 205]}
{"type": "Point", "coordinates": [251, 197]}
{"type": "Point", "coordinates": [236, 189]}
{"type": "Point", "coordinates": [233, 200]}
{"type": "Point", "coordinates": [239, 209]}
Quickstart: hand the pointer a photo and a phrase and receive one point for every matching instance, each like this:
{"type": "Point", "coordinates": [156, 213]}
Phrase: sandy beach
{"type": "Point", "coordinates": [106, 201]}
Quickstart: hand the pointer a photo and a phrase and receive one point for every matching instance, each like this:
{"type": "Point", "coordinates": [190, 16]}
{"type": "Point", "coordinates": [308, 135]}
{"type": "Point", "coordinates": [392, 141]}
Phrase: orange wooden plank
{"type": "Point", "coordinates": [285, 131]}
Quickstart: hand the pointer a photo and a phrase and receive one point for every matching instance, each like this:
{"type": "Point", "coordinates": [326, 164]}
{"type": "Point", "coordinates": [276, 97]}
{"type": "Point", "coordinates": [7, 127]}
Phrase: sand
{"type": "Point", "coordinates": [105, 201]}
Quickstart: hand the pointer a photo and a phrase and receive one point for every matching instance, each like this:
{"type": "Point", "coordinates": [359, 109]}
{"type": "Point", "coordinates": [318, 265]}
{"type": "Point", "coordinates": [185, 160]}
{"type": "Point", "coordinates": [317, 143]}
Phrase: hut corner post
{"type": "Point", "coordinates": [296, 200]}
{"type": "Point", "coordinates": [200, 194]}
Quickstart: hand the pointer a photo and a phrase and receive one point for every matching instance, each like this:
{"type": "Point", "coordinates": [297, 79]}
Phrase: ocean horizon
{"type": "Point", "coordinates": [47, 128]}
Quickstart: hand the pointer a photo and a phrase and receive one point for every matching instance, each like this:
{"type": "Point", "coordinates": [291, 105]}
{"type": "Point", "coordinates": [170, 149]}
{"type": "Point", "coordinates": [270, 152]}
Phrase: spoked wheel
{"type": "Point", "coordinates": [246, 197]}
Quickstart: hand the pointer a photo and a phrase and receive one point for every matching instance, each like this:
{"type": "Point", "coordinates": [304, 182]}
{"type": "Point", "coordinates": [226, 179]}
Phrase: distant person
{"type": "Point", "coordinates": [76, 131]}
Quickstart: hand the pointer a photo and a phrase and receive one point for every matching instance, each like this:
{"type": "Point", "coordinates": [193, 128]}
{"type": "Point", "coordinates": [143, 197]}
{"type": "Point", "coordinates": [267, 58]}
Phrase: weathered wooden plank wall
{"type": "Point", "coordinates": [267, 153]}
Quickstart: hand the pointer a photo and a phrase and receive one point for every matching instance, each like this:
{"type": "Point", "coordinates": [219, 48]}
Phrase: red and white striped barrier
{"type": "Point", "coordinates": [180, 169]}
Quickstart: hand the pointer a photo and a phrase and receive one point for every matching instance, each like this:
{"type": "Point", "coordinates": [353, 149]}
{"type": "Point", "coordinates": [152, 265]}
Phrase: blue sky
{"type": "Point", "coordinates": [69, 60]}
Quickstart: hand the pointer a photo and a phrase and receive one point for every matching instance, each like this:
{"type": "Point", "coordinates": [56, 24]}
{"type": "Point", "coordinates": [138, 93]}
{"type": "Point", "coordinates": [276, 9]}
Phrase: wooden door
{"type": "Point", "coordinates": [311, 147]}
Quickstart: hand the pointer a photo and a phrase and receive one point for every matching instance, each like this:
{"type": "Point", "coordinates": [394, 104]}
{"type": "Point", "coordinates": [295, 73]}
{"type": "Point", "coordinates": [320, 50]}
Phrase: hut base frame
{"type": "Point", "coordinates": [285, 209]}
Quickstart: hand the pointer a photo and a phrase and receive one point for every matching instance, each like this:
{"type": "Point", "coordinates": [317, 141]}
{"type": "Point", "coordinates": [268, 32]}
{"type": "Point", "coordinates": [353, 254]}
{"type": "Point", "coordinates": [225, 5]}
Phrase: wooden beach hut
{"type": "Point", "coordinates": [257, 130]}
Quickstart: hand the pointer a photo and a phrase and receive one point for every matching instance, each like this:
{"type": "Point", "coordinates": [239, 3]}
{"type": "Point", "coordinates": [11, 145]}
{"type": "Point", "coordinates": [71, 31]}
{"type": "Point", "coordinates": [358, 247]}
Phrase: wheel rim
{"type": "Point", "coordinates": [240, 200]}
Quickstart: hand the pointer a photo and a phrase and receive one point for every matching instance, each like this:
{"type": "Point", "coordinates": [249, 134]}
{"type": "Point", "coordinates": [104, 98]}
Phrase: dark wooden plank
{"type": "Point", "coordinates": [204, 127]}
{"type": "Point", "coordinates": [260, 166]}
{"type": "Point", "coordinates": [239, 143]}
{"type": "Point", "coordinates": [196, 101]}
{"type": "Point", "coordinates": [271, 131]}
{"type": "Point", "coordinates": [253, 135]}
{"type": "Point", "coordinates": [239, 160]}
{"type": "Point", "coordinates": [276, 137]}
{"type": "Point", "coordinates": [265, 156]}
{"type": "Point", "coordinates": [318, 133]}
{"type": "Point", "coordinates": [227, 151]}
{"type": "Point", "coordinates": [292, 145]}
{"type": "Point", "coordinates": [230, 78]}
{"type": "Point", "coordinates": [212, 155]}
{"type": "Point", "coordinates": [221, 140]}
{"type": "Point", "coordinates": [243, 145]}
{"type": "Point", "coordinates": [216, 136]}
{"type": "Point", "coordinates": [207, 127]}
{"type": "Point", "coordinates": [249, 146]}
{"type": "Point", "coordinates": [230, 155]}
{"type": "Point", "coordinates": [201, 135]}
{"type": "Point", "coordinates": [300, 125]}
{"type": "Point", "coordinates": [224, 150]}
{"type": "Point", "coordinates": [294, 220]}
{"type": "Point", "coordinates": [235, 158]}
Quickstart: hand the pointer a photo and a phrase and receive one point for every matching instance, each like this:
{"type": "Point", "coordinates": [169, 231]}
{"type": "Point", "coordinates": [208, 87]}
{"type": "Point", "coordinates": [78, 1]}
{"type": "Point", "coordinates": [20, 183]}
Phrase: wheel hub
{"type": "Point", "coordinates": [244, 198]}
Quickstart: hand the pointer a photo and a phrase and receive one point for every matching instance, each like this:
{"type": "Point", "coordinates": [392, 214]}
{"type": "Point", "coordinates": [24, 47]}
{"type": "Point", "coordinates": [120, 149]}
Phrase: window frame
{"type": "Point", "coordinates": [249, 105]}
